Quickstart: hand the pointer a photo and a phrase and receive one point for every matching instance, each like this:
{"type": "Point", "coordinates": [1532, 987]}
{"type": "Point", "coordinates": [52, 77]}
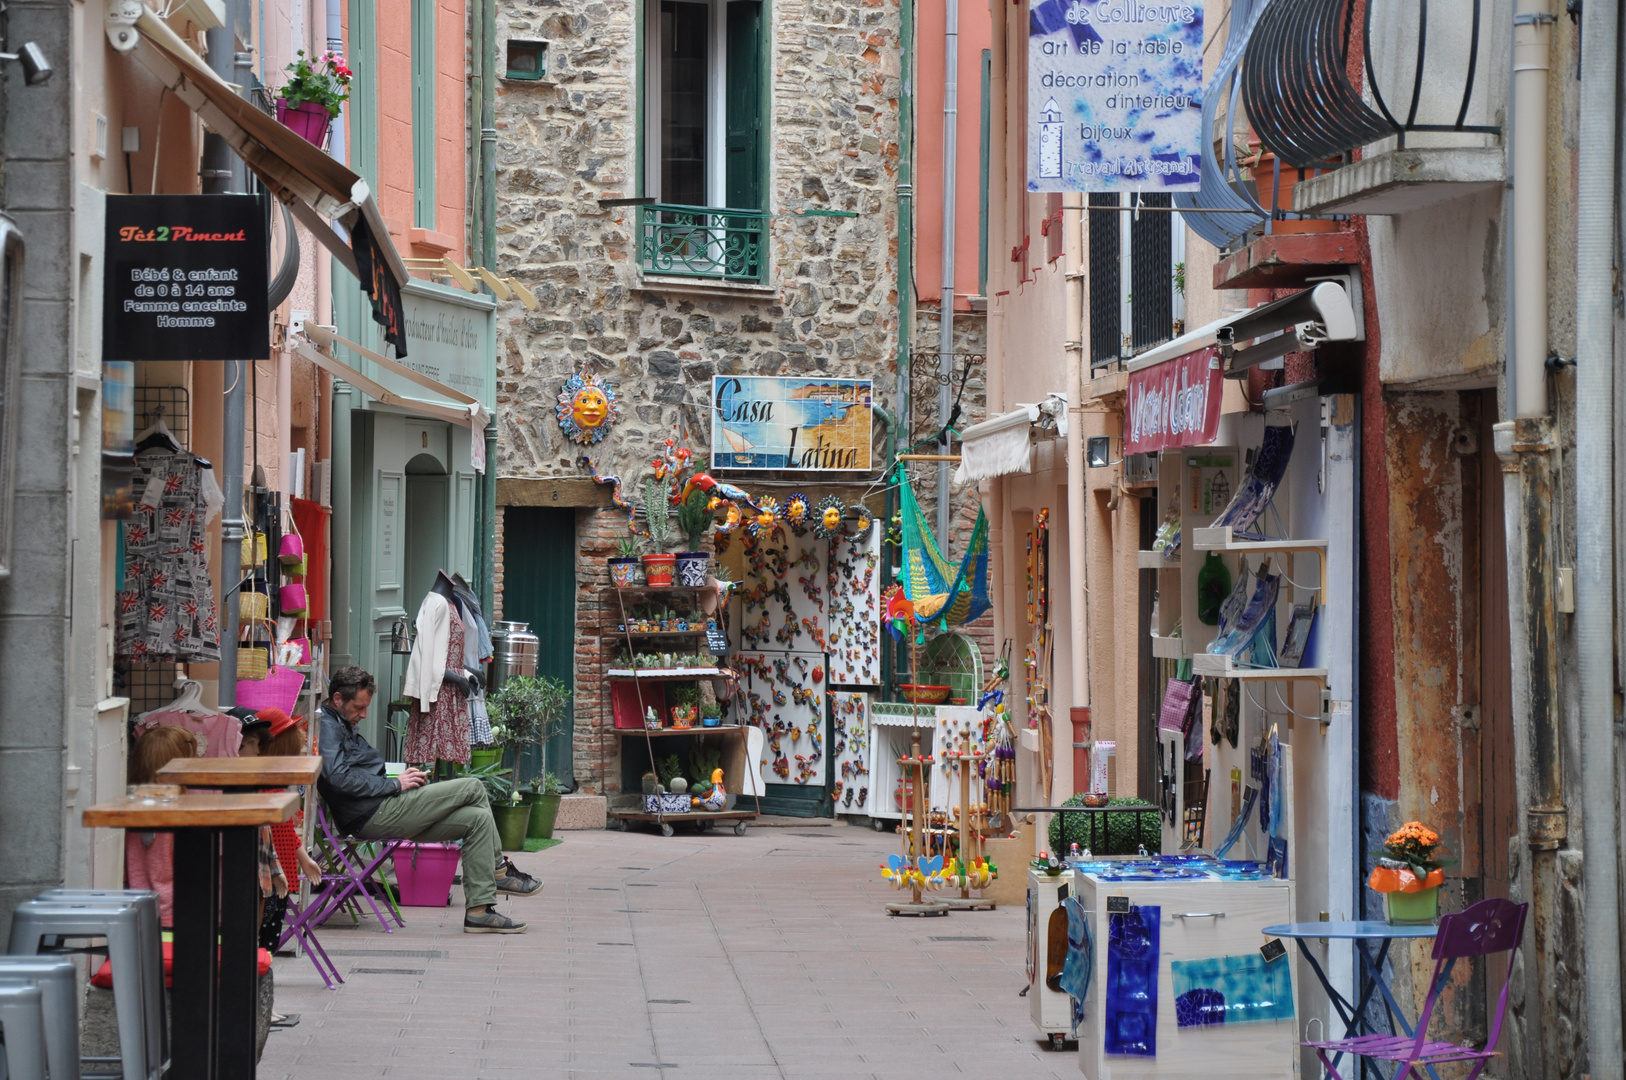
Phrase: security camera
{"type": "Point", "coordinates": [36, 69]}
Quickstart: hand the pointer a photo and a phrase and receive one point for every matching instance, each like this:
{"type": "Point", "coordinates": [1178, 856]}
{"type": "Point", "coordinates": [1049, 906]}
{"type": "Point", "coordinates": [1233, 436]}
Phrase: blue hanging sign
{"type": "Point", "coordinates": [1115, 95]}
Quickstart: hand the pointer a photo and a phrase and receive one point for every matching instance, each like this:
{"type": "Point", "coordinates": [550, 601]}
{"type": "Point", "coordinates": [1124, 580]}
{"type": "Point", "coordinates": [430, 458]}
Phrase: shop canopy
{"type": "Point", "coordinates": [317, 346]}
{"type": "Point", "coordinates": [1003, 444]}
{"type": "Point", "coordinates": [318, 189]}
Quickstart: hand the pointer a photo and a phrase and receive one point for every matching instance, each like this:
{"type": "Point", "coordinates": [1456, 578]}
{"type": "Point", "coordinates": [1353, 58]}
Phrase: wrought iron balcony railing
{"type": "Point", "coordinates": [1304, 106]}
{"type": "Point", "coordinates": [700, 242]}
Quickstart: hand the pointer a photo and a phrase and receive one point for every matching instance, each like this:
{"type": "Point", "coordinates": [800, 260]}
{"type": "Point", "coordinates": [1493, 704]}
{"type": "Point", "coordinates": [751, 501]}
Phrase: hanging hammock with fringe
{"type": "Point", "coordinates": [939, 592]}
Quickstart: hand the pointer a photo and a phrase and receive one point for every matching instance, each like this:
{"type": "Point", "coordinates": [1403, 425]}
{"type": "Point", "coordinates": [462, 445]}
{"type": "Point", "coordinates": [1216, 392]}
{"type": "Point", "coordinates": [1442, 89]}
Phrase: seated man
{"type": "Point", "coordinates": [366, 803]}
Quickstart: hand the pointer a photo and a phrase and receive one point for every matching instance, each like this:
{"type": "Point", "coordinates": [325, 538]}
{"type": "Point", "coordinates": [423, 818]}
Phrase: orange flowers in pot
{"type": "Point", "coordinates": [1408, 862]}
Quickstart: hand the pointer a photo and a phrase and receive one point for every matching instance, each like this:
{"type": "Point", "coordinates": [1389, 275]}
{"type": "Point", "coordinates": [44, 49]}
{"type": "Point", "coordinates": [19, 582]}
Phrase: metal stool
{"type": "Point", "coordinates": [152, 949]}
{"type": "Point", "coordinates": [54, 975]}
{"type": "Point", "coordinates": [23, 1020]}
{"type": "Point", "coordinates": [135, 983]}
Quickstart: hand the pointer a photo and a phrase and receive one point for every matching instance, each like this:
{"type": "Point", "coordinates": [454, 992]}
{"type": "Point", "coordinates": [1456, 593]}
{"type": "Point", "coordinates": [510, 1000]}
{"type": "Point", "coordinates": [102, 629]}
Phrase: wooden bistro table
{"type": "Point", "coordinates": [215, 985]}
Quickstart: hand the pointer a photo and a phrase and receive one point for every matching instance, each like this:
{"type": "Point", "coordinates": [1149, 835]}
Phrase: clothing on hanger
{"type": "Point", "coordinates": [426, 669]}
{"type": "Point", "coordinates": [440, 730]}
{"type": "Point", "coordinates": [166, 610]}
{"type": "Point", "coordinates": [219, 735]}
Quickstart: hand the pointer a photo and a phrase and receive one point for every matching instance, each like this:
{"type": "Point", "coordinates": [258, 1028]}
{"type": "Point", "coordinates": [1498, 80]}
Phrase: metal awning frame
{"type": "Point", "coordinates": [1330, 310]}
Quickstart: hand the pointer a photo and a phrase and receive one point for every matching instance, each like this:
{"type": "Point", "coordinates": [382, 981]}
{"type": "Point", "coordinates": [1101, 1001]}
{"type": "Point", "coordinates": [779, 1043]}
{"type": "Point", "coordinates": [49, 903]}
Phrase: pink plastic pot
{"type": "Point", "coordinates": [424, 872]}
{"type": "Point", "coordinates": [308, 120]}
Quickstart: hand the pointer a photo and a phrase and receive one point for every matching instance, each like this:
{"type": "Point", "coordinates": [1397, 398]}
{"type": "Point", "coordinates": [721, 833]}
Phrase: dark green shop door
{"type": "Point", "coordinates": [539, 587]}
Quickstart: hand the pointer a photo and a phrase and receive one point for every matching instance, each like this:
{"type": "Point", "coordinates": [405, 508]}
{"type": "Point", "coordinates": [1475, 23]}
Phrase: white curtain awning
{"type": "Point", "coordinates": [467, 412]}
{"type": "Point", "coordinates": [1003, 444]}
{"type": "Point", "coordinates": [318, 189]}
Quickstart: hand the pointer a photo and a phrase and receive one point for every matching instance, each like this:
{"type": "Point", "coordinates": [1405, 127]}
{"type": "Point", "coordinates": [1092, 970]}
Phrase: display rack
{"type": "Point", "coordinates": [1222, 539]}
{"type": "Point", "coordinates": [633, 690]}
{"type": "Point", "coordinates": [890, 727]}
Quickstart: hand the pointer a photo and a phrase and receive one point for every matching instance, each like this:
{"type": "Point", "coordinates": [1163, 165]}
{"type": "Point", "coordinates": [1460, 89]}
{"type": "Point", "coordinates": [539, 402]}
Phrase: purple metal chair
{"type": "Point", "coordinates": [1490, 926]}
{"type": "Point", "coordinates": [299, 924]}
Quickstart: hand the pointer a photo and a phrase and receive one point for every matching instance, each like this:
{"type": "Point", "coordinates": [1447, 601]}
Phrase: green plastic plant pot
{"type": "Point", "coordinates": [512, 821]}
{"type": "Point", "coordinates": [544, 812]}
{"type": "Point", "coordinates": [1422, 906]}
{"type": "Point", "coordinates": [479, 759]}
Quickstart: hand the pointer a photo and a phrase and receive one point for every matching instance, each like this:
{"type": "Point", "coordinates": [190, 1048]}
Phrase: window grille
{"type": "Point", "coordinates": [1106, 316]}
{"type": "Point", "coordinates": [1151, 274]}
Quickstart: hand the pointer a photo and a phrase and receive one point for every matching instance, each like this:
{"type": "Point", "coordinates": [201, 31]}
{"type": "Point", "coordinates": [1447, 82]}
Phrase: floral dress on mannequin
{"type": "Point", "coordinates": [441, 732]}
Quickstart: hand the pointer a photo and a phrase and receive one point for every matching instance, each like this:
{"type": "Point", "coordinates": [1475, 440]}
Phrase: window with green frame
{"type": "Point", "coordinates": [705, 116]}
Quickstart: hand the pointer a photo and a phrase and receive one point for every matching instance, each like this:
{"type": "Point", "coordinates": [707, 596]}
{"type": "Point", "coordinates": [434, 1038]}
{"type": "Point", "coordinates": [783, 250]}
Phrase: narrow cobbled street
{"type": "Point", "coordinates": [707, 956]}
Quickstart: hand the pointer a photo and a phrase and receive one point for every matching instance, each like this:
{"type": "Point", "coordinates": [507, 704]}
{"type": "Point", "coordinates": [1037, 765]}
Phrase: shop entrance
{"type": "Point", "coordinates": [426, 515]}
{"type": "Point", "coordinates": [539, 587]}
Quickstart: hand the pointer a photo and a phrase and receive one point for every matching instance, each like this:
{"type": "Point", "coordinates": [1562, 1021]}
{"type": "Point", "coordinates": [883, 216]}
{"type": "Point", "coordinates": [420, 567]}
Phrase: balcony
{"type": "Point", "coordinates": [1426, 121]}
{"type": "Point", "coordinates": [700, 245]}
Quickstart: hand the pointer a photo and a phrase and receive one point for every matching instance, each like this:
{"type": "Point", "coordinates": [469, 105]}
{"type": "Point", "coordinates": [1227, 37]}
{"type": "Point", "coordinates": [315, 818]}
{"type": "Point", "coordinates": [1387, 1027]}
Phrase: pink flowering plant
{"type": "Point", "coordinates": [324, 80]}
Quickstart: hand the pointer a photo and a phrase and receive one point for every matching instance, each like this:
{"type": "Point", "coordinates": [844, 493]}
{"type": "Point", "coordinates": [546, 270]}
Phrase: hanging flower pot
{"type": "Point", "coordinates": [308, 120]}
{"type": "Point", "coordinates": [658, 569]}
{"type": "Point", "coordinates": [693, 567]}
{"type": "Point", "coordinates": [1266, 180]}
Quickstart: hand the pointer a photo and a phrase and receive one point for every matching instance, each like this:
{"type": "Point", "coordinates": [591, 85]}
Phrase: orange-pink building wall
{"type": "Point", "coordinates": [975, 34]}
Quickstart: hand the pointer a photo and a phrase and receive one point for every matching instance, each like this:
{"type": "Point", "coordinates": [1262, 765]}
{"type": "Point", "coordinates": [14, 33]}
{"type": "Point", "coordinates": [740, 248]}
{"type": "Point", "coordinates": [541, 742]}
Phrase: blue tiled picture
{"type": "Point", "coordinates": [1231, 990]}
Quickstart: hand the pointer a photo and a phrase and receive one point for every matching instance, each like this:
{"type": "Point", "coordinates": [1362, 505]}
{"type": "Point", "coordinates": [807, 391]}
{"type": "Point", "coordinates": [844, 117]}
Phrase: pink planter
{"type": "Point", "coordinates": [424, 872]}
{"type": "Point", "coordinates": [308, 120]}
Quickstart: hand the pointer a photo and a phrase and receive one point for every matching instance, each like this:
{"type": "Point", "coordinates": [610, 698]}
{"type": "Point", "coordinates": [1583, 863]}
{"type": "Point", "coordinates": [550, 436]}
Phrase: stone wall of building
{"type": "Point", "coordinates": [830, 303]}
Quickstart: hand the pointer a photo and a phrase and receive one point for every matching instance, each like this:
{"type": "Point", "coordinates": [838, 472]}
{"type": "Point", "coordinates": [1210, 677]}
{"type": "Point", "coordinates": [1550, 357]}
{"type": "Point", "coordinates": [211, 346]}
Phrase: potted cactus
{"type": "Point", "coordinates": [658, 562]}
{"type": "Point", "coordinates": [695, 521]}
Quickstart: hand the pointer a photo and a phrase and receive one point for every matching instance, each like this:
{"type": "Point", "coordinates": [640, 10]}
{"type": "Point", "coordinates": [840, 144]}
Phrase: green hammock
{"type": "Point", "coordinates": [938, 591]}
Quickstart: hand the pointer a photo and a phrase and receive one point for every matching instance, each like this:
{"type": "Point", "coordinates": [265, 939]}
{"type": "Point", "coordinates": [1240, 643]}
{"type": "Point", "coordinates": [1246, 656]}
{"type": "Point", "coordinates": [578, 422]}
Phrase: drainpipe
{"type": "Point", "coordinates": [998, 350]}
{"type": "Point", "coordinates": [945, 320]}
{"type": "Point", "coordinates": [339, 600]}
{"type": "Point", "coordinates": [1594, 536]}
{"type": "Point", "coordinates": [1525, 445]}
{"type": "Point", "coordinates": [891, 423]}
{"type": "Point", "coordinates": [335, 44]}
{"type": "Point", "coordinates": [1072, 224]}
{"type": "Point", "coordinates": [906, 266]}
{"type": "Point", "coordinates": [488, 257]}
{"type": "Point", "coordinates": [222, 171]}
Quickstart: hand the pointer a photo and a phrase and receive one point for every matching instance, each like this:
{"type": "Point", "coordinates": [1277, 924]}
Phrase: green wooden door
{"type": "Point", "coordinates": [539, 587]}
{"type": "Point", "coordinates": [743, 106]}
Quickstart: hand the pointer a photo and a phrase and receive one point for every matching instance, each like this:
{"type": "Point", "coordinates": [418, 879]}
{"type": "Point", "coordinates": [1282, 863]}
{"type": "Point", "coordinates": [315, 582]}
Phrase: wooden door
{"type": "Point", "coordinates": [539, 588]}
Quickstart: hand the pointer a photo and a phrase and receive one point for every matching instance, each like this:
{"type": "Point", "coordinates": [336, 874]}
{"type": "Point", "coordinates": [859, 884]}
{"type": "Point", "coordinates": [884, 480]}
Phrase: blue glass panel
{"type": "Point", "coordinates": [1231, 990]}
{"type": "Point", "coordinates": [1131, 987]}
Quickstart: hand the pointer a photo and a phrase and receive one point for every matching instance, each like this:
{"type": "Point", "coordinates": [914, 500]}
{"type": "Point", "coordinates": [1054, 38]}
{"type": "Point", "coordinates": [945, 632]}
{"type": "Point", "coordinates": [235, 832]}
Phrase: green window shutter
{"type": "Point", "coordinates": [743, 93]}
{"type": "Point", "coordinates": [423, 113]}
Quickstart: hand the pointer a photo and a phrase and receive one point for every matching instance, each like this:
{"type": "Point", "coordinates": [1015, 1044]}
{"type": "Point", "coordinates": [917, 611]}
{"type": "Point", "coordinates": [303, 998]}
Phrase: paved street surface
{"type": "Point", "coordinates": [712, 957]}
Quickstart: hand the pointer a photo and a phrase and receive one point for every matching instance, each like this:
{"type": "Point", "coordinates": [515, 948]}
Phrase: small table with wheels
{"type": "Point", "coordinates": [1378, 933]}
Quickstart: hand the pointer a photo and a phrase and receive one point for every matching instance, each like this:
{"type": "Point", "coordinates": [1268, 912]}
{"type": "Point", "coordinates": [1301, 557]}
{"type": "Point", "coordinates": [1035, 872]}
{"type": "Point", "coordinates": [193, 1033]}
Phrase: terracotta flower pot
{"type": "Point", "coordinates": [308, 120]}
{"type": "Point", "coordinates": [1265, 180]}
{"type": "Point", "coordinates": [658, 569]}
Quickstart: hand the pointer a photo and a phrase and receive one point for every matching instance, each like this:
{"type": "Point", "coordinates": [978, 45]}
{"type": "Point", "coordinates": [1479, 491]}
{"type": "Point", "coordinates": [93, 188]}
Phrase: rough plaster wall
{"type": "Point", "coordinates": [39, 189]}
{"type": "Point", "coordinates": [567, 142]}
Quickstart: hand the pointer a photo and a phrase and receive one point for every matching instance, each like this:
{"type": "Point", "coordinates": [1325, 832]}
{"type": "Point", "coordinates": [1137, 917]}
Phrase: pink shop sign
{"type": "Point", "coordinates": [1175, 403]}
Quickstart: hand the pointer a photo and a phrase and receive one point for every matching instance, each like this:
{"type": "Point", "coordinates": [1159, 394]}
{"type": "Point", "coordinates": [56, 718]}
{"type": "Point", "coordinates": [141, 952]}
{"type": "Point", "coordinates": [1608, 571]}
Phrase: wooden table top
{"type": "Point", "coordinates": [194, 811]}
{"type": "Point", "coordinates": [242, 771]}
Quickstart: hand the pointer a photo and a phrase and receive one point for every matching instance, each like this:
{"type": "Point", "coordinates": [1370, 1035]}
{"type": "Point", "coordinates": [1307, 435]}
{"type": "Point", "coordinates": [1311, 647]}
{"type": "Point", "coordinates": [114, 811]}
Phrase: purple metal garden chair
{"type": "Point", "coordinates": [348, 877]}
{"type": "Point", "coordinates": [1490, 926]}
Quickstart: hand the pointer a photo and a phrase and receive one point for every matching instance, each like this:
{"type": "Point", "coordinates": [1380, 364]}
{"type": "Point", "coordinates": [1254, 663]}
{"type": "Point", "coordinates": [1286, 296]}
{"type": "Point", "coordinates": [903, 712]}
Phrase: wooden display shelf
{"type": "Point", "coordinates": [193, 811]}
{"type": "Point", "coordinates": [1222, 539]}
{"type": "Point", "coordinates": [1223, 667]}
{"type": "Point", "coordinates": [654, 633]}
{"type": "Point", "coordinates": [242, 772]}
{"type": "Point", "coordinates": [738, 817]}
{"type": "Point", "coordinates": [697, 729]}
{"type": "Point", "coordinates": [1170, 648]}
{"type": "Point", "coordinates": [662, 590]}
{"type": "Point", "coordinates": [663, 673]}
{"type": "Point", "coordinates": [1154, 560]}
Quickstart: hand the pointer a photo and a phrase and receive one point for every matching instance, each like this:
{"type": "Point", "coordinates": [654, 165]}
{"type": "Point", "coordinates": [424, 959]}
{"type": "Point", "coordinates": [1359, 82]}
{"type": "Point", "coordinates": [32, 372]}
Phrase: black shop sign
{"type": "Point", "coordinates": [185, 278]}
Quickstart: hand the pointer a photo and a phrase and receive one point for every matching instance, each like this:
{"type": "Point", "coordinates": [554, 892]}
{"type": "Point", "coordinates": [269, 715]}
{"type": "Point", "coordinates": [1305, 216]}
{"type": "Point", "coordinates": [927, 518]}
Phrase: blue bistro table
{"type": "Point", "coordinates": [1366, 935]}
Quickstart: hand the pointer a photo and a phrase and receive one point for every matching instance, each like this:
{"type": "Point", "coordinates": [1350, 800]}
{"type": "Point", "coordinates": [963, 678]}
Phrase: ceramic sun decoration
{"type": "Point", "coordinates": [827, 517]}
{"type": "Point", "coordinates": [587, 409]}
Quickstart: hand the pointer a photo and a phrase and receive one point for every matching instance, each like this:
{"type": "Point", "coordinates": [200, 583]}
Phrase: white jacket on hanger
{"type": "Point", "coordinates": [427, 668]}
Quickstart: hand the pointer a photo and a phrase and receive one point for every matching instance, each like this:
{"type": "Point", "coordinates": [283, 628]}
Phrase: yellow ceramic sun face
{"type": "Point", "coordinates": [832, 518]}
{"type": "Point", "coordinates": [589, 408]}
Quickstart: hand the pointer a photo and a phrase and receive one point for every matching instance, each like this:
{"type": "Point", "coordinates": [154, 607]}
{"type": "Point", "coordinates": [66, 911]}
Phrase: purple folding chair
{"type": "Point", "coordinates": [1490, 926]}
{"type": "Point", "coordinates": [349, 877]}
{"type": "Point", "coordinates": [299, 924]}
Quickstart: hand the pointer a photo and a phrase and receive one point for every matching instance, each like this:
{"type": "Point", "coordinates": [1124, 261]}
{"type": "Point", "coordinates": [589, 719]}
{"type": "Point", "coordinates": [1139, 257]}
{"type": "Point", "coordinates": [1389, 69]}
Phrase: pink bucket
{"type": "Point", "coordinates": [424, 872]}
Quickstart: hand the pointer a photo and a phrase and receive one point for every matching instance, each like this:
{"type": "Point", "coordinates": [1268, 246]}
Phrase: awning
{"type": "Point", "coordinates": [467, 412]}
{"type": "Point", "coordinates": [316, 188]}
{"type": "Point", "coordinates": [1296, 323]}
{"type": "Point", "coordinates": [1004, 444]}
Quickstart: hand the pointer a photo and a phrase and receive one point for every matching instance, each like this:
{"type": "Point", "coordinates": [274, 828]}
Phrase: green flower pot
{"type": "Point", "coordinates": [1422, 906]}
{"type": "Point", "coordinates": [479, 759]}
{"type": "Point", "coordinates": [544, 812]}
{"type": "Point", "coordinates": [512, 821]}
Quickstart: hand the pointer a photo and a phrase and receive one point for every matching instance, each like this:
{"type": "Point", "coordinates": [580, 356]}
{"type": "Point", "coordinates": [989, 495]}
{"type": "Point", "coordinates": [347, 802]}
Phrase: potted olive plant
{"type": "Point", "coordinates": [695, 521]}
{"type": "Point", "coordinates": [530, 709]}
{"type": "Point", "coordinates": [544, 793]}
